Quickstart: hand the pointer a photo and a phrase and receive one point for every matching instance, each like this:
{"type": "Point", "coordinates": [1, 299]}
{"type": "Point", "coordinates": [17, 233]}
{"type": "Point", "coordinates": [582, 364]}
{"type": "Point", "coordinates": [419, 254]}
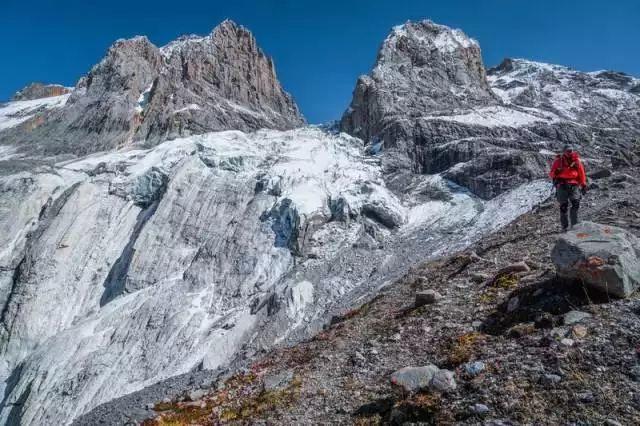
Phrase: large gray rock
{"type": "Point", "coordinates": [428, 377]}
{"type": "Point", "coordinates": [602, 256]}
{"type": "Point", "coordinates": [142, 93]}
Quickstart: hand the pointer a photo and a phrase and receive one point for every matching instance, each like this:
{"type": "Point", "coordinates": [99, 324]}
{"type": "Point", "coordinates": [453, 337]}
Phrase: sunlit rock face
{"type": "Point", "coordinates": [39, 91]}
{"type": "Point", "coordinates": [140, 92]}
{"type": "Point", "coordinates": [430, 105]}
{"type": "Point", "coordinates": [421, 68]}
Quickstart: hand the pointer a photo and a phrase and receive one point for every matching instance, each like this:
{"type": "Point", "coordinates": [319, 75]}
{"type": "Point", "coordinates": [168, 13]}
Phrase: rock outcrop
{"type": "Point", "coordinates": [601, 256]}
{"type": "Point", "coordinates": [39, 91]}
{"type": "Point", "coordinates": [431, 108]}
{"type": "Point", "coordinates": [422, 69]}
{"type": "Point", "coordinates": [142, 93]}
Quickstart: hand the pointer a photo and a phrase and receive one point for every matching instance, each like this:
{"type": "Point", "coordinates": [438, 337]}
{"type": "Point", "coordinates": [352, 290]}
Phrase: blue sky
{"type": "Point", "coordinates": [320, 47]}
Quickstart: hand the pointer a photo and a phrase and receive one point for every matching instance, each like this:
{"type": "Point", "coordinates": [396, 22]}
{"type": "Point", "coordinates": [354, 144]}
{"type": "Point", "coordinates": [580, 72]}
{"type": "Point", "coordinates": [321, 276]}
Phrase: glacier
{"type": "Point", "coordinates": [122, 269]}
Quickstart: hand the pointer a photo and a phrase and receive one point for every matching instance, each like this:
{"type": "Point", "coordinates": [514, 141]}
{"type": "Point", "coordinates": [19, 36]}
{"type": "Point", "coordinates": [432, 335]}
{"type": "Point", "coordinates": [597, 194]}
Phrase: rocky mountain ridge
{"type": "Point", "coordinates": [429, 104]}
{"type": "Point", "coordinates": [140, 93]}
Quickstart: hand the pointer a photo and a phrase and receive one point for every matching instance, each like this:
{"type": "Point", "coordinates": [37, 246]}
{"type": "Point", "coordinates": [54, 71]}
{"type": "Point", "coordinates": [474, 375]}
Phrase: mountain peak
{"type": "Point", "coordinates": [141, 93]}
{"type": "Point", "coordinates": [433, 35]}
{"type": "Point", "coordinates": [229, 24]}
{"type": "Point", "coordinates": [422, 68]}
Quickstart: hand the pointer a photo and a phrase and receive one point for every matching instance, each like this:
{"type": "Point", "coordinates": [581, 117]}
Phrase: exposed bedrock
{"type": "Point", "coordinates": [429, 106]}
{"type": "Point", "coordinates": [142, 93]}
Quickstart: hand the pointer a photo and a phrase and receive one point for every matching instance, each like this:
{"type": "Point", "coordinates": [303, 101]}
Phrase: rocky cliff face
{"type": "Point", "coordinates": [142, 93]}
{"type": "Point", "coordinates": [421, 68]}
{"type": "Point", "coordinates": [39, 91]}
{"type": "Point", "coordinates": [430, 106]}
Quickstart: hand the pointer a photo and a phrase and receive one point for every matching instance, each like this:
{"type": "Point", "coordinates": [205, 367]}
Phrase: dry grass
{"type": "Point", "coordinates": [242, 399]}
{"type": "Point", "coordinates": [502, 282]}
{"type": "Point", "coordinates": [374, 420]}
{"type": "Point", "coordinates": [263, 402]}
{"type": "Point", "coordinates": [463, 348]}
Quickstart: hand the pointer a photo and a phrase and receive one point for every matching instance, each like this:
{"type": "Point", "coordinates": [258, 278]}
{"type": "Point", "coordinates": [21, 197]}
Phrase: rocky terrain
{"type": "Point", "coordinates": [522, 345]}
{"type": "Point", "coordinates": [171, 233]}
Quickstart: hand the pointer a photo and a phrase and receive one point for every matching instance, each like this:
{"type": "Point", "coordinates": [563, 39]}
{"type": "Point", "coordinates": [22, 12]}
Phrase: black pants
{"type": "Point", "coordinates": [566, 193]}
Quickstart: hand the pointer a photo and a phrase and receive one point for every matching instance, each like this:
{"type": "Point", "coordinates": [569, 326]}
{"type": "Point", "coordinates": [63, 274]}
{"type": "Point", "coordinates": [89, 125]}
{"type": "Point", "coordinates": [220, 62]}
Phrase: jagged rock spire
{"type": "Point", "coordinates": [142, 93]}
{"type": "Point", "coordinates": [421, 68]}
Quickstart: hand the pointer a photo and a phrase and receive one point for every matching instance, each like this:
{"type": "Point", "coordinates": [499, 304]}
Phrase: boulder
{"type": "Point", "coordinates": [479, 277]}
{"type": "Point", "coordinates": [278, 381]}
{"type": "Point", "coordinates": [604, 257]}
{"type": "Point", "coordinates": [428, 377]}
{"type": "Point", "coordinates": [601, 173]}
{"type": "Point", "coordinates": [443, 381]}
{"type": "Point", "coordinates": [474, 369]}
{"type": "Point", "coordinates": [427, 297]}
{"type": "Point", "coordinates": [573, 317]}
{"type": "Point", "coordinates": [479, 409]}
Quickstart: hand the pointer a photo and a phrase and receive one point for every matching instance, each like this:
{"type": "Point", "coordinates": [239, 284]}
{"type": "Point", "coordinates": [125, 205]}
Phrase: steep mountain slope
{"type": "Point", "coordinates": [212, 229]}
{"type": "Point", "coordinates": [429, 105]}
{"type": "Point", "coordinates": [141, 93]}
{"type": "Point", "coordinates": [530, 349]}
{"type": "Point", "coordinates": [140, 265]}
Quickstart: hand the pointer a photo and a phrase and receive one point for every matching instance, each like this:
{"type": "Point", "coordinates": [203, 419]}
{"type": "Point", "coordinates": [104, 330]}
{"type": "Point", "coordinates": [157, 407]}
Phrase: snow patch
{"type": "Point", "coordinates": [14, 113]}
{"type": "Point", "coordinates": [190, 107]}
{"type": "Point", "coordinates": [143, 99]}
{"type": "Point", "coordinates": [300, 296]}
{"type": "Point", "coordinates": [497, 116]}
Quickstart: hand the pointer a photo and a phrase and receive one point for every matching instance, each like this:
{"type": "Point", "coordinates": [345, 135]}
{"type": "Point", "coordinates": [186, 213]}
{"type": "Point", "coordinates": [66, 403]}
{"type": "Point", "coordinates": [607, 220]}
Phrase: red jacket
{"type": "Point", "coordinates": [568, 169]}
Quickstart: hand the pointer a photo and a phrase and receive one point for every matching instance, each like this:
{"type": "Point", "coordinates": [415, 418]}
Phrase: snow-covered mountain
{"type": "Point", "coordinates": [430, 105]}
{"type": "Point", "coordinates": [142, 93]}
{"type": "Point", "coordinates": [173, 214]}
{"type": "Point", "coordinates": [14, 113]}
{"type": "Point", "coordinates": [605, 103]}
{"type": "Point", "coordinates": [602, 98]}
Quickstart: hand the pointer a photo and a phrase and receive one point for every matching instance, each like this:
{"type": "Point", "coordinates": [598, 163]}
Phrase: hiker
{"type": "Point", "coordinates": [570, 182]}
